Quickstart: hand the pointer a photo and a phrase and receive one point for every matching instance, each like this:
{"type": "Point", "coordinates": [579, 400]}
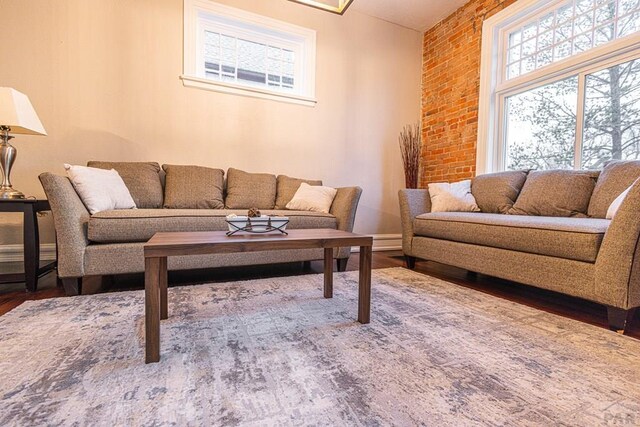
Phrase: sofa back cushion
{"type": "Point", "coordinates": [250, 190]}
{"type": "Point", "coordinates": [286, 188]}
{"type": "Point", "coordinates": [561, 193]}
{"type": "Point", "coordinates": [615, 178]}
{"type": "Point", "coordinates": [141, 178]}
{"type": "Point", "coordinates": [193, 187]}
{"type": "Point", "coordinates": [497, 192]}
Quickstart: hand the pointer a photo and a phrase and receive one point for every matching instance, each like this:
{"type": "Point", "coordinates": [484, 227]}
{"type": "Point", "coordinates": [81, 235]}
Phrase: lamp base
{"type": "Point", "coordinates": [8, 193]}
{"type": "Point", "coordinates": [8, 155]}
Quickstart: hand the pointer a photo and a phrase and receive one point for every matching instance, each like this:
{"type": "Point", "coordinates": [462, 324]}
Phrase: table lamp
{"type": "Point", "coordinates": [16, 116]}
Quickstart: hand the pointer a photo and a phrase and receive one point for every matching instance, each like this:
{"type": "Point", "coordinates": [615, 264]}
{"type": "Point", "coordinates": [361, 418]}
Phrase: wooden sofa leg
{"type": "Point", "coordinates": [410, 262]}
{"type": "Point", "coordinates": [72, 286]}
{"type": "Point", "coordinates": [342, 264]}
{"type": "Point", "coordinates": [619, 318]}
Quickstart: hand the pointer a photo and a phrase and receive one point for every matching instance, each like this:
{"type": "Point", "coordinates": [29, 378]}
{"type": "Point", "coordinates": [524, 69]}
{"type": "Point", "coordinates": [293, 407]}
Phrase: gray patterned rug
{"type": "Point", "coordinates": [275, 352]}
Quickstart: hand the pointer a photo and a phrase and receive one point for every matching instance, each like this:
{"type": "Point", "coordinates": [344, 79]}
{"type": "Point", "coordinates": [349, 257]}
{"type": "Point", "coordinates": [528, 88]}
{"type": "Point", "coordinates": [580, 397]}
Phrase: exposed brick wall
{"type": "Point", "coordinates": [450, 91]}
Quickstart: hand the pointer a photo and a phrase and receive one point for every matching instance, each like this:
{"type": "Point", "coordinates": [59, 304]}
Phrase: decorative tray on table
{"type": "Point", "coordinates": [256, 223]}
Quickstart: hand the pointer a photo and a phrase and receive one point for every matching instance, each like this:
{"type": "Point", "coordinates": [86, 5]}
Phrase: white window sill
{"type": "Point", "coordinates": [255, 92]}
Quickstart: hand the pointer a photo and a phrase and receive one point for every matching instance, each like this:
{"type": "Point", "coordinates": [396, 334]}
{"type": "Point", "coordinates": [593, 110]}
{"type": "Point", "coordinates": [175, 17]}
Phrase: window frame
{"type": "Point", "coordinates": [495, 88]}
{"type": "Point", "coordinates": [259, 29]}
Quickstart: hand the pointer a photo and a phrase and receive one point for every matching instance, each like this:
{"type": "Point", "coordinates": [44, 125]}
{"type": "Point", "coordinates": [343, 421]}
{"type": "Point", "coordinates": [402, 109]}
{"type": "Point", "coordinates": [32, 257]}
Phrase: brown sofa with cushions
{"type": "Point", "coordinates": [179, 198]}
{"type": "Point", "coordinates": [541, 228]}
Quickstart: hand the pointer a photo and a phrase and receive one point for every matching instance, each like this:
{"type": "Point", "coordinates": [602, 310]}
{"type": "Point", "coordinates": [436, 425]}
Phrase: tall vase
{"type": "Point", "coordinates": [410, 141]}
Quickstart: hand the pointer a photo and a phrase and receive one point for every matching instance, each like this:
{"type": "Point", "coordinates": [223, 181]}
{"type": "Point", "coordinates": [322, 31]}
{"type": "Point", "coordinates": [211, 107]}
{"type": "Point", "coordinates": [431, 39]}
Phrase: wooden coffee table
{"type": "Point", "coordinates": [163, 245]}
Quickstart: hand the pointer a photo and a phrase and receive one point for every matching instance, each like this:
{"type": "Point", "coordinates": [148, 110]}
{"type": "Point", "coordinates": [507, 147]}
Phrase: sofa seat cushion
{"type": "Point", "coordinates": [570, 238]}
{"type": "Point", "coordinates": [140, 225]}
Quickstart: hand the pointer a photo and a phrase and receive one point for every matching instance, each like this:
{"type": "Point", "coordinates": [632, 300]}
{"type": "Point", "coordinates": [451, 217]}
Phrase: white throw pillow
{"type": "Point", "coordinates": [315, 198]}
{"type": "Point", "coordinates": [454, 197]}
{"type": "Point", "coordinates": [100, 189]}
{"type": "Point", "coordinates": [615, 205]}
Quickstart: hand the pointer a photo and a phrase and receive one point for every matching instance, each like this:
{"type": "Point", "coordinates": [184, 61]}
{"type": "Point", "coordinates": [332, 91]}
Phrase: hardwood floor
{"type": "Point", "coordinates": [12, 295]}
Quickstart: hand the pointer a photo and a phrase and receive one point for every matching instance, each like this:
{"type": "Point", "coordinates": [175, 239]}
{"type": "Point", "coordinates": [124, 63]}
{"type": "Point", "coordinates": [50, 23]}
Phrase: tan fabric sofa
{"type": "Point", "coordinates": [579, 253]}
{"type": "Point", "coordinates": [111, 242]}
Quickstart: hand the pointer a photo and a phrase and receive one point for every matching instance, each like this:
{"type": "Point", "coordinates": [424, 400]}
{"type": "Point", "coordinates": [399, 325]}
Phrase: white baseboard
{"type": "Point", "coordinates": [384, 242]}
{"type": "Point", "coordinates": [13, 253]}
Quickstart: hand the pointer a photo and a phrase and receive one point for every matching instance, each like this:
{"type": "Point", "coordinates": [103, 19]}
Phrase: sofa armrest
{"type": "Point", "coordinates": [70, 218]}
{"type": "Point", "coordinates": [344, 207]}
{"type": "Point", "coordinates": [617, 275]}
{"type": "Point", "coordinates": [412, 203]}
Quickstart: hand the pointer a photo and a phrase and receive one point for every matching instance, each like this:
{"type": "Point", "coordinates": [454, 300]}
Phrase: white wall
{"type": "Point", "coordinates": [103, 76]}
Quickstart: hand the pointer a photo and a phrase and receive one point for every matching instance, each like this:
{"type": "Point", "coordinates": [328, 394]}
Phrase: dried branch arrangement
{"type": "Point", "coordinates": [410, 147]}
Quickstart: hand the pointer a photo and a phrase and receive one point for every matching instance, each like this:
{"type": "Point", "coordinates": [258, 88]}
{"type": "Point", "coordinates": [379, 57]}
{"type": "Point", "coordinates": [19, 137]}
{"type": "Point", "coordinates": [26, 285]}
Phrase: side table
{"type": "Point", "coordinates": [32, 268]}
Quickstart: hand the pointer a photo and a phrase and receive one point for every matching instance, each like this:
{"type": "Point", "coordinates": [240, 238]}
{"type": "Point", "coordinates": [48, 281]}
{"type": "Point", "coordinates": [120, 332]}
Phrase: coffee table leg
{"type": "Point", "coordinates": [152, 309]}
{"type": "Point", "coordinates": [364, 288]}
{"type": "Point", "coordinates": [164, 310]}
{"type": "Point", "coordinates": [328, 272]}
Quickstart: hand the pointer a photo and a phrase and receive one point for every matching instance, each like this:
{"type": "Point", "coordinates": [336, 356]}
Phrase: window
{"type": "Point", "coordinates": [560, 85]}
{"type": "Point", "coordinates": [234, 51]}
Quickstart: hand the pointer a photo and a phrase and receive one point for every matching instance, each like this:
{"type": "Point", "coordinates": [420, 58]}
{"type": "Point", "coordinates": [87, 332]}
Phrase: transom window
{"type": "Point", "coordinates": [234, 51]}
{"type": "Point", "coordinates": [573, 27]}
{"type": "Point", "coordinates": [560, 85]}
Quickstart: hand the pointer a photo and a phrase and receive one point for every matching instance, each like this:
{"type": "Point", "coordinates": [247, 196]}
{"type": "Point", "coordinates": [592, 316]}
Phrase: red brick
{"type": "Point", "coordinates": [451, 85]}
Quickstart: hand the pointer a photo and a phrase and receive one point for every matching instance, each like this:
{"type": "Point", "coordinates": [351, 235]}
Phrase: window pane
{"type": "Point", "coordinates": [252, 62]}
{"type": "Point", "coordinates": [563, 50]}
{"type": "Point", "coordinates": [584, 23]}
{"type": "Point", "coordinates": [584, 6]}
{"type": "Point", "coordinates": [514, 54]}
{"type": "Point", "coordinates": [629, 24]}
{"type": "Point", "coordinates": [612, 115]}
{"type": "Point", "coordinates": [545, 40]}
{"type": "Point", "coordinates": [530, 31]}
{"type": "Point", "coordinates": [605, 13]}
{"type": "Point", "coordinates": [515, 38]}
{"type": "Point", "coordinates": [529, 47]}
{"type": "Point", "coordinates": [513, 70]}
{"type": "Point", "coordinates": [545, 58]}
{"type": "Point", "coordinates": [583, 42]}
{"type": "Point", "coordinates": [628, 6]}
{"type": "Point", "coordinates": [541, 125]}
{"type": "Point", "coordinates": [528, 64]}
{"type": "Point", "coordinates": [565, 13]}
{"type": "Point", "coordinates": [546, 22]}
{"type": "Point", "coordinates": [603, 34]}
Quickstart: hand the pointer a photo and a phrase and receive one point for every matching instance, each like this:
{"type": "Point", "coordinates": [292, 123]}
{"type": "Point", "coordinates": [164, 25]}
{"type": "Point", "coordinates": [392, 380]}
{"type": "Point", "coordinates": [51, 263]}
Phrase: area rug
{"type": "Point", "coordinates": [275, 352]}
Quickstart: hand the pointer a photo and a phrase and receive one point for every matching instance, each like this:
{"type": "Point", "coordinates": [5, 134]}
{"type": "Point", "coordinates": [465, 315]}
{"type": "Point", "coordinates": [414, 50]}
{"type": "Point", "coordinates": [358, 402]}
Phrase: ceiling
{"type": "Point", "coordinates": [419, 15]}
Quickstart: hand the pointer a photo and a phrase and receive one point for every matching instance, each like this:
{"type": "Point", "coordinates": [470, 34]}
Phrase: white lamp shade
{"type": "Point", "coordinates": [17, 113]}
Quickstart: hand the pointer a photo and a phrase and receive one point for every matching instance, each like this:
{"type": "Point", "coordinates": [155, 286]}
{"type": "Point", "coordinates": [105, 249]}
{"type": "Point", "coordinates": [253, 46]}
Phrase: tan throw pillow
{"type": "Point", "coordinates": [314, 198]}
{"type": "Point", "coordinates": [497, 192]}
{"type": "Point", "coordinates": [454, 197]}
{"type": "Point", "coordinates": [193, 187]}
{"type": "Point", "coordinates": [250, 190]}
{"type": "Point", "coordinates": [287, 187]}
{"type": "Point", "coordinates": [559, 193]}
{"type": "Point", "coordinates": [616, 177]}
{"type": "Point", "coordinates": [141, 178]}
